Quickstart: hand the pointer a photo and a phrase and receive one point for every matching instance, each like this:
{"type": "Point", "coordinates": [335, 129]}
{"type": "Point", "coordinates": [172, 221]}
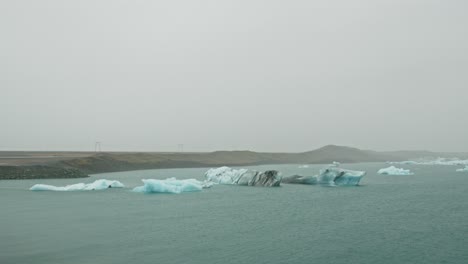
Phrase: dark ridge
{"type": "Point", "coordinates": [39, 172]}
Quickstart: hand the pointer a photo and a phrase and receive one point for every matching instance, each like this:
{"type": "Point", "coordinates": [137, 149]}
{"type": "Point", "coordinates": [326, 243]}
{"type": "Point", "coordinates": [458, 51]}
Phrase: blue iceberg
{"type": "Point", "coordinates": [171, 185]}
{"type": "Point", "coordinates": [335, 176]}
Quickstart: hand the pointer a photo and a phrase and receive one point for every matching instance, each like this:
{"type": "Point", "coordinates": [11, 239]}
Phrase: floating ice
{"type": "Point", "coordinates": [333, 175]}
{"type": "Point", "coordinates": [463, 170]}
{"type": "Point", "coordinates": [392, 170]}
{"type": "Point", "coordinates": [303, 167]}
{"type": "Point", "coordinates": [96, 185]}
{"type": "Point", "coordinates": [226, 175]}
{"type": "Point", "coordinates": [298, 179]}
{"type": "Point", "coordinates": [438, 161]}
{"type": "Point", "coordinates": [406, 162]}
{"type": "Point", "coordinates": [171, 185]}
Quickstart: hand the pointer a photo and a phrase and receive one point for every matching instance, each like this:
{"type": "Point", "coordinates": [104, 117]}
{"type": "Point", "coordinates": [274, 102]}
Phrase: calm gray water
{"type": "Point", "coordinates": [389, 219]}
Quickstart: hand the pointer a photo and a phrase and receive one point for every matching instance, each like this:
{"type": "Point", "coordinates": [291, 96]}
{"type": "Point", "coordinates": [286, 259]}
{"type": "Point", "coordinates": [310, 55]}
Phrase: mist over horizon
{"type": "Point", "coordinates": [179, 149]}
{"type": "Point", "coordinates": [264, 76]}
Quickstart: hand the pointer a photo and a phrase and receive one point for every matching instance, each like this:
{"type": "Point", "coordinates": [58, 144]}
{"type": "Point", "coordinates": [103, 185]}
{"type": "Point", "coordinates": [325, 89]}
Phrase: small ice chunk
{"type": "Point", "coordinates": [463, 170]}
{"type": "Point", "coordinates": [392, 170]}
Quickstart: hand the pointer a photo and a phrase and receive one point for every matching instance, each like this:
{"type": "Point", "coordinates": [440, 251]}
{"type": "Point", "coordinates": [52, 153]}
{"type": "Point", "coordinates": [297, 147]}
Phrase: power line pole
{"type": "Point", "coordinates": [181, 147]}
{"type": "Point", "coordinates": [97, 147]}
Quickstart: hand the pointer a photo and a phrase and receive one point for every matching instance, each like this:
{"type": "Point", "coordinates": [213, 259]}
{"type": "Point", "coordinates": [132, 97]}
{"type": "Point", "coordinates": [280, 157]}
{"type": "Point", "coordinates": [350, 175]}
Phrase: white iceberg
{"type": "Point", "coordinates": [335, 176]}
{"type": "Point", "coordinates": [392, 170]}
{"type": "Point", "coordinates": [463, 170]}
{"type": "Point", "coordinates": [303, 167]}
{"type": "Point", "coordinates": [226, 175]}
{"type": "Point", "coordinates": [171, 185]}
{"type": "Point", "coordinates": [96, 185]}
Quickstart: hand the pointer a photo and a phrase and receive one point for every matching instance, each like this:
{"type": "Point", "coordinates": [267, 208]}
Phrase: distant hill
{"type": "Point", "coordinates": [107, 162]}
{"type": "Point", "coordinates": [89, 163]}
{"type": "Point", "coordinates": [332, 153]}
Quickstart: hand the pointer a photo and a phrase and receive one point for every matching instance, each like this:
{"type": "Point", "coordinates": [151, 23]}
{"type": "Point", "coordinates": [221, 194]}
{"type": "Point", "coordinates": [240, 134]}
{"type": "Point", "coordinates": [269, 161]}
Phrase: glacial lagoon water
{"type": "Point", "coordinates": [420, 218]}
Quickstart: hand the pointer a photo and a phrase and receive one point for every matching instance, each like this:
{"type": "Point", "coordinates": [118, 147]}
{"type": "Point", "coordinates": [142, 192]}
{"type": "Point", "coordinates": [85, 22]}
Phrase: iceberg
{"type": "Point", "coordinates": [333, 175]}
{"type": "Point", "coordinates": [463, 170]}
{"type": "Point", "coordinates": [303, 167]}
{"type": "Point", "coordinates": [392, 170]}
{"type": "Point", "coordinates": [171, 185]}
{"type": "Point", "coordinates": [226, 175]}
{"type": "Point", "coordinates": [96, 185]}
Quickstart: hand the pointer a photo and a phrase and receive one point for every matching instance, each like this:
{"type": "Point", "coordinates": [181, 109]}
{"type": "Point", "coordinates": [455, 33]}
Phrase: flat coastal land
{"type": "Point", "coordinates": [37, 165]}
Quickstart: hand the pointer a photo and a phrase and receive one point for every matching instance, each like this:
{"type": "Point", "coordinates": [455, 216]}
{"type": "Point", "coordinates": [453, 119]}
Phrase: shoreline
{"type": "Point", "coordinates": [59, 165]}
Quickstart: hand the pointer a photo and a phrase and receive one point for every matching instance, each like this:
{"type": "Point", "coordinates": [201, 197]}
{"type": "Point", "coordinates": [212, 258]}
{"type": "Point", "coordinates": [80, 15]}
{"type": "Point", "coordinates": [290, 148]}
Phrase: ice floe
{"type": "Point", "coordinates": [226, 175]}
{"type": "Point", "coordinates": [171, 185]}
{"type": "Point", "coordinates": [463, 170]}
{"type": "Point", "coordinates": [96, 185]}
{"type": "Point", "coordinates": [392, 170]}
{"type": "Point", "coordinates": [438, 161]}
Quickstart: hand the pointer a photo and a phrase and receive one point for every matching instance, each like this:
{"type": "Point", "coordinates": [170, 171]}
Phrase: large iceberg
{"type": "Point", "coordinates": [96, 185]}
{"type": "Point", "coordinates": [392, 170]}
{"type": "Point", "coordinates": [226, 175]}
{"type": "Point", "coordinates": [463, 170]}
{"type": "Point", "coordinates": [171, 185]}
{"type": "Point", "coordinates": [336, 176]}
{"type": "Point", "coordinates": [438, 161]}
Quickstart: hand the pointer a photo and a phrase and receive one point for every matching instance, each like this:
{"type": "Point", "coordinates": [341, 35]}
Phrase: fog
{"type": "Point", "coordinates": [233, 75]}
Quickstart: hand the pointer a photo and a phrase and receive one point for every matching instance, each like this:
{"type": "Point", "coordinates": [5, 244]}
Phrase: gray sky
{"type": "Point", "coordinates": [258, 75]}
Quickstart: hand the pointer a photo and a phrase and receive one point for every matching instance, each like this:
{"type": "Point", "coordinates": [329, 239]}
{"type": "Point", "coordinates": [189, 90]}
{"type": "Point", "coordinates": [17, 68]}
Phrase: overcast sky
{"type": "Point", "coordinates": [258, 75]}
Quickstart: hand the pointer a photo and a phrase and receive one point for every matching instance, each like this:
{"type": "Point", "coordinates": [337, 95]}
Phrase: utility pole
{"type": "Point", "coordinates": [180, 147]}
{"type": "Point", "coordinates": [97, 147]}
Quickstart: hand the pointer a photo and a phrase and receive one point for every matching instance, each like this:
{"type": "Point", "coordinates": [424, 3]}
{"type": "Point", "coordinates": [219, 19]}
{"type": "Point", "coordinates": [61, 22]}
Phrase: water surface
{"type": "Point", "coordinates": [420, 218]}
